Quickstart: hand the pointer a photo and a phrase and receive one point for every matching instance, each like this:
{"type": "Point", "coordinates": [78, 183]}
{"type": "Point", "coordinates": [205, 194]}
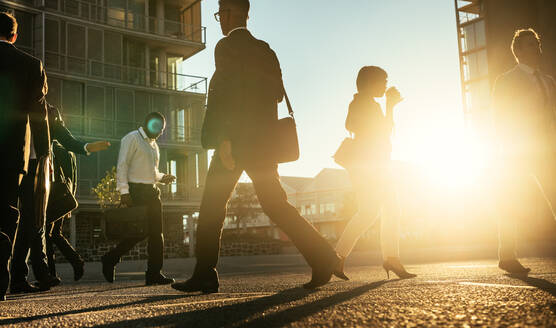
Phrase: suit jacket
{"type": "Point", "coordinates": [524, 122]}
{"type": "Point", "coordinates": [243, 97]}
{"type": "Point", "coordinates": [23, 89]}
{"type": "Point", "coordinates": [64, 145]}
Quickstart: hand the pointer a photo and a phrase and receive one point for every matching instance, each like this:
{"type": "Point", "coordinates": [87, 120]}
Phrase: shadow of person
{"type": "Point", "coordinates": [252, 313]}
{"type": "Point", "coordinates": [28, 319]}
{"type": "Point", "coordinates": [542, 284]}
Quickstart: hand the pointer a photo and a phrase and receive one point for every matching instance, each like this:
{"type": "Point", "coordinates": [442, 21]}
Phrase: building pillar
{"type": "Point", "coordinates": [73, 230]}
{"type": "Point", "coordinates": [147, 66]}
{"type": "Point", "coordinates": [163, 68]}
{"type": "Point", "coordinates": [191, 229]}
{"type": "Point", "coordinates": [160, 17]}
{"type": "Point", "coordinates": [191, 172]}
{"type": "Point", "coordinates": [203, 167]}
{"type": "Point", "coordinates": [147, 17]}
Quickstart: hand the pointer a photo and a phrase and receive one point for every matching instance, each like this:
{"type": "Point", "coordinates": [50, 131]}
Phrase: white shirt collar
{"type": "Point", "coordinates": [527, 69]}
{"type": "Point", "coordinates": [143, 134]}
{"type": "Point", "coordinates": [237, 28]}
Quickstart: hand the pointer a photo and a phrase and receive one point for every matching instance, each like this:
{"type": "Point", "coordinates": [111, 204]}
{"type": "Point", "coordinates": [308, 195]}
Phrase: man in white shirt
{"type": "Point", "coordinates": [137, 178]}
{"type": "Point", "coordinates": [524, 102]}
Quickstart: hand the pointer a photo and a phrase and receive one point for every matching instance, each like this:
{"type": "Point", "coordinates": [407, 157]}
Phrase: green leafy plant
{"type": "Point", "coordinates": [106, 192]}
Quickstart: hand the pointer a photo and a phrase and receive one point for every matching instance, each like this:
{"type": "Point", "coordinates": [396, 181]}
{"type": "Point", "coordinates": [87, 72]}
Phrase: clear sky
{"type": "Point", "coordinates": [322, 45]}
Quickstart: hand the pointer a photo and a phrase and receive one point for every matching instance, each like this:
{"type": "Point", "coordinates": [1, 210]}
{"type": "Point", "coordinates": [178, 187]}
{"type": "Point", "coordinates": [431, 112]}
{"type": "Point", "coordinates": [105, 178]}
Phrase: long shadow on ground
{"type": "Point", "coordinates": [238, 315]}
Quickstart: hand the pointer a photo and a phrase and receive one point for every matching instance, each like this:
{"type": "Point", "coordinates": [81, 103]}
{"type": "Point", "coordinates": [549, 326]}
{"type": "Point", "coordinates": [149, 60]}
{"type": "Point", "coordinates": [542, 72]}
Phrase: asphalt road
{"type": "Point", "coordinates": [264, 292]}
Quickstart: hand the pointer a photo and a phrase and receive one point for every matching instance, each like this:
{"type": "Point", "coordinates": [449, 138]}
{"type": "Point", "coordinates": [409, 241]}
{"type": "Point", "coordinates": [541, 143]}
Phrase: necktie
{"type": "Point", "coordinates": [539, 79]}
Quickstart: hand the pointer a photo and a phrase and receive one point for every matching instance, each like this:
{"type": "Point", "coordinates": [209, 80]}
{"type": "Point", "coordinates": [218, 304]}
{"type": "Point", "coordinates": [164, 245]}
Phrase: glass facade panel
{"type": "Point", "coordinates": [124, 103]}
{"type": "Point", "coordinates": [72, 97]}
{"type": "Point", "coordinates": [95, 101]}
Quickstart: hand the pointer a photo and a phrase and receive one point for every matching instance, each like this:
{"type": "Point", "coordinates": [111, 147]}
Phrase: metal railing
{"type": "Point", "coordinates": [175, 192]}
{"type": "Point", "coordinates": [128, 19]}
{"type": "Point", "coordinates": [87, 126]}
{"type": "Point", "coordinates": [124, 74]}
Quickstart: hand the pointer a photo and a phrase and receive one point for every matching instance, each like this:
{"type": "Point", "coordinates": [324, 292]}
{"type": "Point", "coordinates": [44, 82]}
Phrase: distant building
{"type": "Point", "coordinates": [109, 63]}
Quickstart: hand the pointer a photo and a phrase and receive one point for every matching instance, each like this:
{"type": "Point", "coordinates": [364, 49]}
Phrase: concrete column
{"type": "Point", "coordinates": [73, 230]}
{"type": "Point", "coordinates": [203, 167]}
{"type": "Point", "coordinates": [191, 231]}
{"type": "Point", "coordinates": [163, 68]}
{"type": "Point", "coordinates": [147, 66]}
{"type": "Point", "coordinates": [191, 172]}
{"type": "Point", "coordinates": [160, 17]}
{"type": "Point", "coordinates": [147, 15]}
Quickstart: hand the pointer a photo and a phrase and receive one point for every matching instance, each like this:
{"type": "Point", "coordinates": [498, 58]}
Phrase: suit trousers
{"type": "Point", "coordinates": [145, 195]}
{"type": "Point", "coordinates": [376, 198]}
{"type": "Point", "coordinates": [56, 237]}
{"type": "Point", "coordinates": [220, 183]}
{"type": "Point", "coordinates": [513, 183]}
{"type": "Point", "coordinates": [29, 234]}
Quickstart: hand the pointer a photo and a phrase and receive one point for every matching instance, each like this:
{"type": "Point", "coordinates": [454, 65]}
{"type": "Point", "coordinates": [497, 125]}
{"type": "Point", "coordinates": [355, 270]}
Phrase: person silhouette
{"type": "Point", "coordinates": [371, 171]}
{"type": "Point", "coordinates": [524, 103]}
{"type": "Point", "coordinates": [244, 93]}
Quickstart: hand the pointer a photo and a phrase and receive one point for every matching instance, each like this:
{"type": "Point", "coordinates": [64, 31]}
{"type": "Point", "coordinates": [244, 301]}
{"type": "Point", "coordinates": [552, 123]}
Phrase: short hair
{"type": "Point", "coordinates": [518, 38]}
{"type": "Point", "coordinates": [155, 115]}
{"type": "Point", "coordinates": [242, 5]}
{"type": "Point", "coordinates": [8, 25]}
{"type": "Point", "coordinates": [368, 75]}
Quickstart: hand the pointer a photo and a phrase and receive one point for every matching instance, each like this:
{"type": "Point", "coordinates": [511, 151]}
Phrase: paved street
{"type": "Point", "coordinates": [264, 291]}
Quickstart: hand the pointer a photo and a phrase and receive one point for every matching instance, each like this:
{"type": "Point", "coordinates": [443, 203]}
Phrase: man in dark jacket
{"type": "Point", "coordinates": [23, 89]}
{"type": "Point", "coordinates": [242, 110]}
{"type": "Point", "coordinates": [64, 146]}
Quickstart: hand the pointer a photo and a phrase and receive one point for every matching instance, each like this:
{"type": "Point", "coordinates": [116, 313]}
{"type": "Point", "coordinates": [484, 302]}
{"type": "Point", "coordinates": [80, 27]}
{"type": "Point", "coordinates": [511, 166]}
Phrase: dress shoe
{"type": "Point", "coordinates": [513, 267]}
{"type": "Point", "coordinates": [157, 279]}
{"type": "Point", "coordinates": [393, 264]}
{"type": "Point", "coordinates": [78, 269]}
{"type": "Point", "coordinates": [26, 287]}
{"type": "Point", "coordinates": [322, 275]}
{"type": "Point", "coordinates": [108, 268]}
{"type": "Point", "coordinates": [339, 271]}
{"type": "Point", "coordinates": [48, 282]}
{"type": "Point", "coordinates": [203, 280]}
{"type": "Point", "coordinates": [207, 286]}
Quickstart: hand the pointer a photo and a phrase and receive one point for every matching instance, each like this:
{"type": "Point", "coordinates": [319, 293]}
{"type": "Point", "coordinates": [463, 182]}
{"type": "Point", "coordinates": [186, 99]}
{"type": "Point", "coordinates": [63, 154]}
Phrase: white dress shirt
{"type": "Point", "coordinates": [237, 28]}
{"type": "Point", "coordinates": [138, 161]}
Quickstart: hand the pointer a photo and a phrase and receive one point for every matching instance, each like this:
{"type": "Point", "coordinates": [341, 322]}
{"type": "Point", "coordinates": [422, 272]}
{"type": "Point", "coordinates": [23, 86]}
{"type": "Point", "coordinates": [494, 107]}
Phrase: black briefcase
{"type": "Point", "coordinates": [126, 222]}
{"type": "Point", "coordinates": [286, 147]}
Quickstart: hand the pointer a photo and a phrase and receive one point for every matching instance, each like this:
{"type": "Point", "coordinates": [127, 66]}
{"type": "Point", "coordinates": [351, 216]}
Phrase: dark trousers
{"type": "Point", "coordinates": [149, 196]}
{"type": "Point", "coordinates": [30, 234]}
{"type": "Point", "coordinates": [8, 225]}
{"type": "Point", "coordinates": [56, 237]}
{"type": "Point", "coordinates": [219, 186]}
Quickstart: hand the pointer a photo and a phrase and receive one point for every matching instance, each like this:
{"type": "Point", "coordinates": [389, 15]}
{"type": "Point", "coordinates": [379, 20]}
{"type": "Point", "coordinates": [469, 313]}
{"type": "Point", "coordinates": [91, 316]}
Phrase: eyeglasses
{"type": "Point", "coordinates": [219, 13]}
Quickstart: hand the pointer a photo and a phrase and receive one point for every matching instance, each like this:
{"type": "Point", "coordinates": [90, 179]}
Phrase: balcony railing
{"type": "Point", "coordinates": [91, 127]}
{"type": "Point", "coordinates": [128, 19]}
{"type": "Point", "coordinates": [124, 74]}
{"type": "Point", "coordinates": [175, 192]}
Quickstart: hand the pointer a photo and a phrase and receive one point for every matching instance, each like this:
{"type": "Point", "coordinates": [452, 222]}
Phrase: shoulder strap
{"type": "Point", "coordinates": [290, 110]}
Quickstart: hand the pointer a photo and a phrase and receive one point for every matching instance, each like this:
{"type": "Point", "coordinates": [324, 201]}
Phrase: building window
{"type": "Point", "coordinates": [174, 172]}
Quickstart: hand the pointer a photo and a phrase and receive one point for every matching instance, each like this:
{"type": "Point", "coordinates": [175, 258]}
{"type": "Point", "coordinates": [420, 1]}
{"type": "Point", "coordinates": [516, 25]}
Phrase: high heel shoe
{"type": "Point", "coordinates": [339, 271]}
{"type": "Point", "coordinates": [393, 264]}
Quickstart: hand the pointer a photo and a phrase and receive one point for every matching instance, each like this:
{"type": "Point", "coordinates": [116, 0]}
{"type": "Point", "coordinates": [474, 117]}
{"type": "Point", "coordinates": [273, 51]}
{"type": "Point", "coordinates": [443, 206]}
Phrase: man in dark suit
{"type": "Point", "coordinates": [242, 110]}
{"type": "Point", "coordinates": [524, 100]}
{"type": "Point", "coordinates": [22, 105]}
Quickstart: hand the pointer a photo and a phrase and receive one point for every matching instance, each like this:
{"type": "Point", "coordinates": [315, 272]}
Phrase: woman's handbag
{"type": "Point", "coordinates": [346, 154]}
{"type": "Point", "coordinates": [286, 148]}
{"type": "Point", "coordinates": [126, 222]}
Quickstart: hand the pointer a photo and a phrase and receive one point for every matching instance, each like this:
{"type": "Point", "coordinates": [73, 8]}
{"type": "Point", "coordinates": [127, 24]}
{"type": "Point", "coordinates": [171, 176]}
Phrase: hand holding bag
{"type": "Point", "coordinates": [126, 222]}
{"type": "Point", "coordinates": [287, 146]}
